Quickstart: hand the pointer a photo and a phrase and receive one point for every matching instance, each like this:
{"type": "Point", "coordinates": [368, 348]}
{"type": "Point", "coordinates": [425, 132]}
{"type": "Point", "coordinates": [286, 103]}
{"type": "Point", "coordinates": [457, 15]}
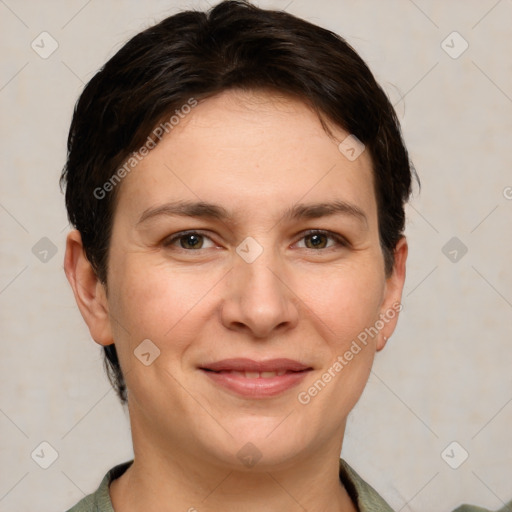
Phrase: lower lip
{"type": "Point", "coordinates": [259, 387]}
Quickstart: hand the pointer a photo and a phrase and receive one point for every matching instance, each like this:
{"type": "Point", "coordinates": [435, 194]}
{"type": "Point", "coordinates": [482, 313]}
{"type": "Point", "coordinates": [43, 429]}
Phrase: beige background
{"type": "Point", "coordinates": [446, 373]}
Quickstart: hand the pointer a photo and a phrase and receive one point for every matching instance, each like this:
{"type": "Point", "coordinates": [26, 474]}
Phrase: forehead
{"type": "Point", "coordinates": [253, 151]}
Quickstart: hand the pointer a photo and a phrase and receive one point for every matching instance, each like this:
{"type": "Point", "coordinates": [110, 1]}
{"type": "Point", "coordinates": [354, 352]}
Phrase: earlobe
{"type": "Point", "coordinates": [89, 292]}
{"type": "Point", "coordinates": [391, 305]}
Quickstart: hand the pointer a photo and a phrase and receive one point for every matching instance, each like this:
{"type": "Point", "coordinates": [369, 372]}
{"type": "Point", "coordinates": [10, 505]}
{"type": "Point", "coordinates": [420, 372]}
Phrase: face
{"type": "Point", "coordinates": [256, 301]}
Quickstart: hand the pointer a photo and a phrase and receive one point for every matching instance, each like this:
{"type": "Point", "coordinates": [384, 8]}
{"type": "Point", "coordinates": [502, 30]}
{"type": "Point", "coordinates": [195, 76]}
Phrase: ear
{"type": "Point", "coordinates": [90, 293]}
{"type": "Point", "coordinates": [391, 304]}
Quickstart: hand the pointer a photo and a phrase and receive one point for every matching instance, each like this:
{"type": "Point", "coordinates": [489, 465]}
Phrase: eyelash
{"type": "Point", "coordinates": [341, 241]}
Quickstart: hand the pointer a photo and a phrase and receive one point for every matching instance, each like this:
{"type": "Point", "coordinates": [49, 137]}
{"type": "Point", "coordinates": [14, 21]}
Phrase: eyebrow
{"type": "Point", "coordinates": [301, 211]}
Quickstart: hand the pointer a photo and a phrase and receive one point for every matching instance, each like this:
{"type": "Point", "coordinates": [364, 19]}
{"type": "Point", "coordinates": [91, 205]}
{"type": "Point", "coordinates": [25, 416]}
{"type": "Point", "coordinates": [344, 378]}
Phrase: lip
{"type": "Point", "coordinates": [230, 374]}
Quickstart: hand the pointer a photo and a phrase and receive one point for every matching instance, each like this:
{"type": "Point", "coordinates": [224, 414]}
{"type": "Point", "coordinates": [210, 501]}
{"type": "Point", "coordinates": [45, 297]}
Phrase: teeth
{"type": "Point", "coordinates": [256, 375]}
{"type": "Point", "coordinates": [260, 375]}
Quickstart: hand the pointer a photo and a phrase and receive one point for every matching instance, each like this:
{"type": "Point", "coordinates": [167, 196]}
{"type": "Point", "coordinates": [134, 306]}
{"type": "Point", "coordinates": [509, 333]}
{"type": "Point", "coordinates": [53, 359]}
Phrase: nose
{"type": "Point", "coordinates": [258, 299]}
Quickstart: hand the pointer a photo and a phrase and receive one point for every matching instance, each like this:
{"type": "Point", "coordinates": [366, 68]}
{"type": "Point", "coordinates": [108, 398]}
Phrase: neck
{"type": "Point", "coordinates": [175, 478]}
{"type": "Point", "coordinates": [150, 491]}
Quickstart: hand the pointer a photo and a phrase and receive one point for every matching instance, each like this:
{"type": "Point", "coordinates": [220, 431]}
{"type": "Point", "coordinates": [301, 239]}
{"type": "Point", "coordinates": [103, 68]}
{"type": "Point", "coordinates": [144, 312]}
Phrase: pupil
{"type": "Point", "coordinates": [316, 240]}
{"type": "Point", "coordinates": [189, 240]}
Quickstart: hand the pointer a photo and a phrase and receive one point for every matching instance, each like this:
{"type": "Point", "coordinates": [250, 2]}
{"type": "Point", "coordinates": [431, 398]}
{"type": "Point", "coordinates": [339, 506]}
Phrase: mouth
{"type": "Point", "coordinates": [256, 379]}
{"type": "Point", "coordinates": [251, 375]}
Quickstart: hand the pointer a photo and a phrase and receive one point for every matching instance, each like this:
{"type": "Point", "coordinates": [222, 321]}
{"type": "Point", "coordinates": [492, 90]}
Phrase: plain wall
{"type": "Point", "coordinates": [446, 373]}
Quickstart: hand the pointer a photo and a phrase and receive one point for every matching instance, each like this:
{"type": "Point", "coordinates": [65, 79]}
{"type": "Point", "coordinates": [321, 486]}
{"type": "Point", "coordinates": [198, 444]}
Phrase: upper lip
{"type": "Point", "coordinates": [250, 365]}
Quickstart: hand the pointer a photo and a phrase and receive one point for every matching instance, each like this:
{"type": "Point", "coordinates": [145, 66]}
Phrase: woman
{"type": "Point", "coordinates": [237, 181]}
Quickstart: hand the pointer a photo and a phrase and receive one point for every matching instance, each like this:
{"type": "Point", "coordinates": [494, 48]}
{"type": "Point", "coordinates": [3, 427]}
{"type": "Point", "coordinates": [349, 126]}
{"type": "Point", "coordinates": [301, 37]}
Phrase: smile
{"type": "Point", "coordinates": [256, 379]}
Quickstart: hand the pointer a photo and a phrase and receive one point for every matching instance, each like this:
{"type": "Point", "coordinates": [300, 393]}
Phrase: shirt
{"type": "Point", "coordinates": [363, 494]}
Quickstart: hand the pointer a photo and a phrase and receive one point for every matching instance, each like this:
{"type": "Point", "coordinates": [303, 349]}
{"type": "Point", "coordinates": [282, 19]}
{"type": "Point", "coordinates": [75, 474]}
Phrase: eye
{"type": "Point", "coordinates": [195, 240]}
{"type": "Point", "coordinates": [188, 240]}
{"type": "Point", "coordinates": [318, 239]}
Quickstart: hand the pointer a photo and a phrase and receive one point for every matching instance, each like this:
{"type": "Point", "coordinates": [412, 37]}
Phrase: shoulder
{"type": "Point", "coordinates": [474, 508]}
{"type": "Point", "coordinates": [367, 498]}
{"type": "Point", "coordinates": [85, 505]}
{"type": "Point", "coordinates": [99, 500]}
{"type": "Point", "coordinates": [362, 493]}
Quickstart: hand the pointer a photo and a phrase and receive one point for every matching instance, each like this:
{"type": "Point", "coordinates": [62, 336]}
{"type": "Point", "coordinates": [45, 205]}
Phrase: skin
{"type": "Point", "coordinates": [256, 154]}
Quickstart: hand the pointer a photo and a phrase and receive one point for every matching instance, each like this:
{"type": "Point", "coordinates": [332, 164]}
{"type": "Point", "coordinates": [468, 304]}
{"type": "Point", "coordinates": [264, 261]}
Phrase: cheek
{"type": "Point", "coordinates": [151, 301]}
{"type": "Point", "coordinates": [345, 309]}
{"type": "Point", "coordinates": [346, 300]}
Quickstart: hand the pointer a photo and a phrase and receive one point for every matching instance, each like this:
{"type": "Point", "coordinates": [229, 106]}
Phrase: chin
{"type": "Point", "coordinates": [259, 444]}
